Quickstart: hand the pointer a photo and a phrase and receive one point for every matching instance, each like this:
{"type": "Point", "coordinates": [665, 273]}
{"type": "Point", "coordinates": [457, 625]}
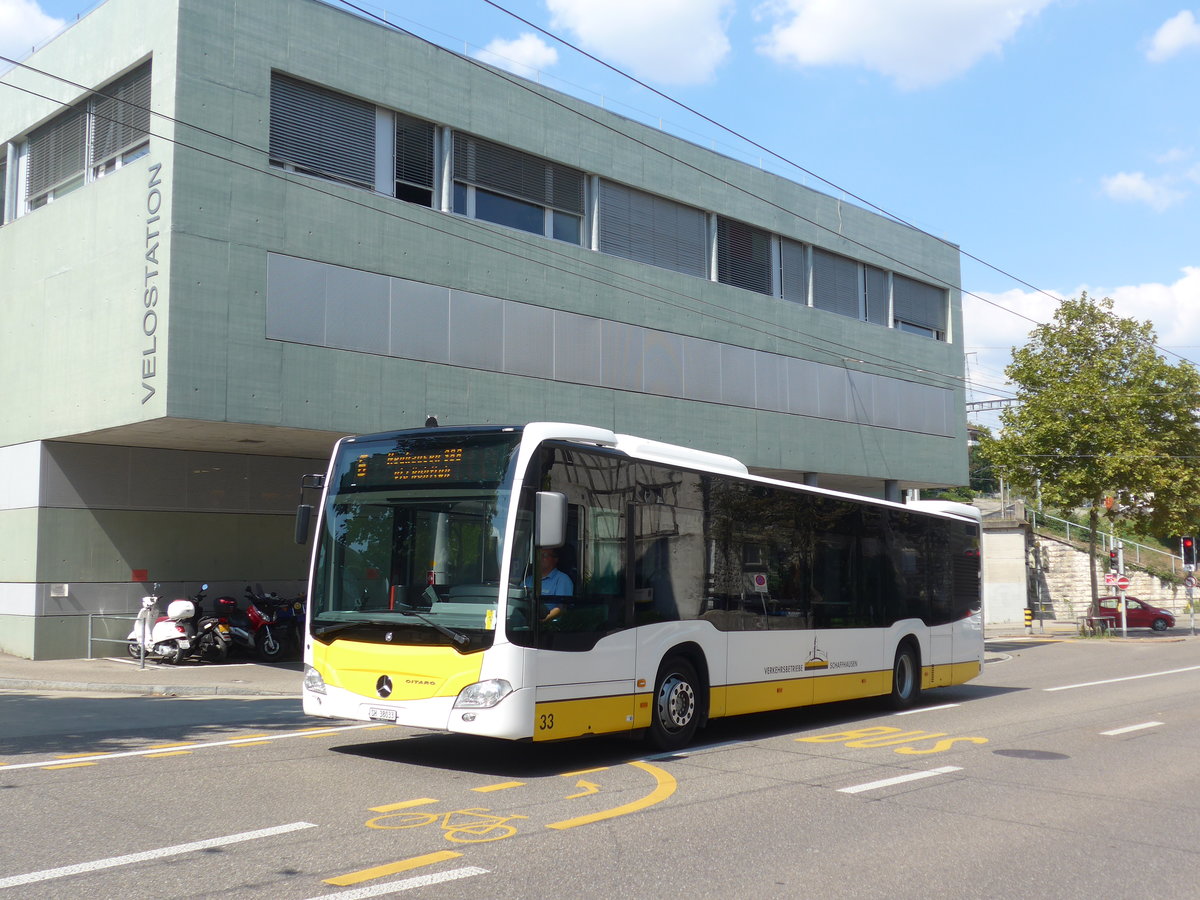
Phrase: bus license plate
{"type": "Point", "coordinates": [377, 714]}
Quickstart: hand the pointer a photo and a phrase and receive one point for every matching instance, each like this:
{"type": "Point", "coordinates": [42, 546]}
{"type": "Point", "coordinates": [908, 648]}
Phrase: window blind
{"type": "Point", "coordinates": [743, 256]}
{"type": "Point", "coordinates": [414, 151]}
{"type": "Point", "coordinates": [322, 132]}
{"type": "Point", "coordinates": [510, 171]}
{"type": "Point", "coordinates": [876, 289]}
{"type": "Point", "coordinates": [651, 229]}
{"type": "Point", "coordinates": [56, 151]}
{"type": "Point", "coordinates": [835, 283]}
{"type": "Point", "coordinates": [793, 276]}
{"type": "Point", "coordinates": [121, 115]}
{"type": "Point", "coordinates": [919, 303]}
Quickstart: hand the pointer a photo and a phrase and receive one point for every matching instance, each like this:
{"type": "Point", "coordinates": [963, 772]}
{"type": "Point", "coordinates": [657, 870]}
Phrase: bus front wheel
{"type": "Point", "coordinates": [676, 705]}
{"type": "Point", "coordinates": [906, 677]}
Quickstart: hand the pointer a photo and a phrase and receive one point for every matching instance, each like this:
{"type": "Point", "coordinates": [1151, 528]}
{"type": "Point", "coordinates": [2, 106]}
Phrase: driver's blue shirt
{"type": "Point", "coordinates": [555, 583]}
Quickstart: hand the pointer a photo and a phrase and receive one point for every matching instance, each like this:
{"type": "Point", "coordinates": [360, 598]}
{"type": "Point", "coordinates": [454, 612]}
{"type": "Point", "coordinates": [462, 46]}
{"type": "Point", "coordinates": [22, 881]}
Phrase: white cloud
{"type": "Point", "coordinates": [991, 330]}
{"type": "Point", "coordinates": [917, 44]}
{"type": "Point", "coordinates": [526, 55]}
{"type": "Point", "coordinates": [666, 41]}
{"type": "Point", "coordinates": [1158, 193]}
{"type": "Point", "coordinates": [22, 25]}
{"type": "Point", "coordinates": [1175, 35]}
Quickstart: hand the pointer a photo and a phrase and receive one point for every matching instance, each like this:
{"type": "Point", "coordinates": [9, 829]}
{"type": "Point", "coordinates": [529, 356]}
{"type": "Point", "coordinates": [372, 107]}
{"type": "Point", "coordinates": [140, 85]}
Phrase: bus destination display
{"type": "Point", "coordinates": [427, 462]}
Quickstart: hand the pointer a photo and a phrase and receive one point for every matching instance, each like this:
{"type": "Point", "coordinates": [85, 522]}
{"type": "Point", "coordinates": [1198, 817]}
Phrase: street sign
{"type": "Point", "coordinates": [1110, 578]}
{"type": "Point", "coordinates": [1122, 583]}
{"type": "Point", "coordinates": [1190, 581]}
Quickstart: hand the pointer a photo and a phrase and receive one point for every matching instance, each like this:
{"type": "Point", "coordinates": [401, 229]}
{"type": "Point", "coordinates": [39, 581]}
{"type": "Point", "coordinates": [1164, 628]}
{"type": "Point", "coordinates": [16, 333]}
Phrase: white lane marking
{"type": "Point", "coordinates": [229, 743]}
{"type": "Point", "coordinates": [921, 709]}
{"type": "Point", "coordinates": [899, 779]}
{"type": "Point", "coordinates": [1070, 687]}
{"type": "Point", "coordinates": [128, 859]}
{"type": "Point", "coordinates": [1129, 728]}
{"type": "Point", "coordinates": [405, 884]}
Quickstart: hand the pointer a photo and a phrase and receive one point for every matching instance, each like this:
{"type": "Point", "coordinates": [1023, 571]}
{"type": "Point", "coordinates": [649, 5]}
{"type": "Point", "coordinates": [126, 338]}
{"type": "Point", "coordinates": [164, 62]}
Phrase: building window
{"type": "Point", "coordinates": [414, 160]}
{"type": "Point", "coordinates": [743, 256]}
{"type": "Point", "coordinates": [793, 271]}
{"type": "Point", "coordinates": [850, 288]}
{"type": "Point", "coordinates": [121, 122]}
{"type": "Point", "coordinates": [321, 132]}
{"type": "Point", "coordinates": [837, 284]}
{"type": "Point", "coordinates": [509, 187]}
{"type": "Point", "coordinates": [653, 230]}
{"type": "Point", "coordinates": [56, 156]}
{"type": "Point", "coordinates": [919, 308]}
{"type": "Point", "coordinates": [92, 138]}
{"type": "Point", "coordinates": [875, 294]}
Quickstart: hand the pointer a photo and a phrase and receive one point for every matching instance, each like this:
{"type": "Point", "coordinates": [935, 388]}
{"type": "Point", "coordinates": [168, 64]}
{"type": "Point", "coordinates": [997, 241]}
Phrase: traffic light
{"type": "Point", "coordinates": [1114, 562]}
{"type": "Point", "coordinates": [1187, 549]}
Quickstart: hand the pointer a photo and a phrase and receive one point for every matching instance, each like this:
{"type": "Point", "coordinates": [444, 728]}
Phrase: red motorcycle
{"type": "Point", "coordinates": [261, 629]}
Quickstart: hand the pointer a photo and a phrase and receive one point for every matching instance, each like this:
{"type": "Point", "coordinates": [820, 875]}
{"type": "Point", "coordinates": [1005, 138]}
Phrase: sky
{"type": "Point", "coordinates": [1057, 142]}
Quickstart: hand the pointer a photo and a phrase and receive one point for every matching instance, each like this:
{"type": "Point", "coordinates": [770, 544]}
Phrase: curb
{"type": "Point", "coordinates": [163, 690]}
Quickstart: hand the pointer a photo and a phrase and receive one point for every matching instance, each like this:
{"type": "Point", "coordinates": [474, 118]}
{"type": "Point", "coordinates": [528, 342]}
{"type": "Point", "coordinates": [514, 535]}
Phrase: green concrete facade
{"type": "Point", "coordinates": [135, 307]}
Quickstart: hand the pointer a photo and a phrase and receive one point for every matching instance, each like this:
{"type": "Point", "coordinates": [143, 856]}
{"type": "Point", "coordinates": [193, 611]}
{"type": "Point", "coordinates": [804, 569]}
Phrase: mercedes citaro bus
{"type": "Point", "coordinates": [697, 590]}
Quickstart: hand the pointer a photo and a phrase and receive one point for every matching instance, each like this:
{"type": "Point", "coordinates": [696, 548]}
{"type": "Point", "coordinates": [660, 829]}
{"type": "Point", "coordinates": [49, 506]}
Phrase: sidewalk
{"type": "Point", "coordinates": [237, 677]}
{"type": "Point", "coordinates": [242, 677]}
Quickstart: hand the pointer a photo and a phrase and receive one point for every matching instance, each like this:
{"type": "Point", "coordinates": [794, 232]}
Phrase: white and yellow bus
{"type": "Point", "coordinates": [696, 590]}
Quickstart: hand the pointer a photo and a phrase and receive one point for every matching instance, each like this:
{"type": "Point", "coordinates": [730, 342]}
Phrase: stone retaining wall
{"type": "Point", "coordinates": [1066, 582]}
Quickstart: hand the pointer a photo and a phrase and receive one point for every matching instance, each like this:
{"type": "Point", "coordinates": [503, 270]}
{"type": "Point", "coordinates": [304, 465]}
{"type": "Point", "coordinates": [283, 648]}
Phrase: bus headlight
{"type": "Point", "coordinates": [483, 694]}
{"type": "Point", "coordinates": [313, 680]}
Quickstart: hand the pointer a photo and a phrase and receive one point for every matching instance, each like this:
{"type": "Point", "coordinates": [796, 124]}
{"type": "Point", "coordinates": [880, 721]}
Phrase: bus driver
{"type": "Point", "coordinates": [556, 584]}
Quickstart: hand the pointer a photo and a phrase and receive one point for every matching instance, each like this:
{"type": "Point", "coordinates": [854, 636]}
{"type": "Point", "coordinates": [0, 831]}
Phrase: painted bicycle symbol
{"type": "Point", "coordinates": [463, 826]}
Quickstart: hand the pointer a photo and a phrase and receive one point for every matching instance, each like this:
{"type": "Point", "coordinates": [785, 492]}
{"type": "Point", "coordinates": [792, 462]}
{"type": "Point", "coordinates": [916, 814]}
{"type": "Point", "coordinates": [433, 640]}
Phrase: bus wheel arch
{"type": "Point", "coordinates": [680, 699]}
{"type": "Point", "coordinates": [906, 674]}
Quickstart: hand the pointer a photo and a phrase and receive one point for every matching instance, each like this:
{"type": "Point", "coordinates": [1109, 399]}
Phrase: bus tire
{"type": "Point", "coordinates": [676, 712]}
{"type": "Point", "coordinates": [906, 676]}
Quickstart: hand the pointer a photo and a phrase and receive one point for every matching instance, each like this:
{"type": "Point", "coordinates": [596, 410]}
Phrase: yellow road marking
{"type": "Point", "coordinates": [403, 865]}
{"type": "Point", "coordinates": [503, 786]}
{"type": "Point", "coordinates": [251, 744]}
{"type": "Point", "coordinates": [172, 746]}
{"type": "Point", "coordinates": [70, 765]}
{"type": "Point", "coordinates": [583, 772]}
{"type": "Point", "coordinates": [72, 755]}
{"type": "Point", "coordinates": [588, 788]}
{"type": "Point", "coordinates": [168, 753]}
{"type": "Point", "coordinates": [407, 804]}
{"type": "Point", "coordinates": [664, 789]}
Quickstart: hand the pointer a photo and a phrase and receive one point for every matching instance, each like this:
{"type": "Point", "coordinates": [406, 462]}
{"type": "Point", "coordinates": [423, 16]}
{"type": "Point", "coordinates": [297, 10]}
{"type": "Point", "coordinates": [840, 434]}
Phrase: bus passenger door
{"type": "Point", "coordinates": [585, 663]}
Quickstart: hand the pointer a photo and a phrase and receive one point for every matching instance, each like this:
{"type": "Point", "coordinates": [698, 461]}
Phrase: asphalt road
{"type": "Point", "coordinates": [1066, 770]}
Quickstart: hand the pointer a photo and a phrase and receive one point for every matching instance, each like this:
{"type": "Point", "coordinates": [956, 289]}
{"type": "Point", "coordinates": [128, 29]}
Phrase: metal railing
{"type": "Point", "coordinates": [97, 632]}
{"type": "Point", "coordinates": [1141, 554]}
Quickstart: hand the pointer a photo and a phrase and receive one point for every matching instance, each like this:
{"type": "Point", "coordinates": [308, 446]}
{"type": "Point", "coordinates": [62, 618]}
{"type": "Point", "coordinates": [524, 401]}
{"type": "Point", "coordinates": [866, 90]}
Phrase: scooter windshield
{"type": "Point", "coordinates": [405, 557]}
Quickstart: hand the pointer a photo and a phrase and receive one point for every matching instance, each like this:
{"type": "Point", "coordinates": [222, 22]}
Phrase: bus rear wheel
{"type": "Point", "coordinates": [676, 705]}
{"type": "Point", "coordinates": [906, 677]}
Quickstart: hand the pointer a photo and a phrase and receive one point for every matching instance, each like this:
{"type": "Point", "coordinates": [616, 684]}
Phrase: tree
{"type": "Point", "coordinates": [1103, 422]}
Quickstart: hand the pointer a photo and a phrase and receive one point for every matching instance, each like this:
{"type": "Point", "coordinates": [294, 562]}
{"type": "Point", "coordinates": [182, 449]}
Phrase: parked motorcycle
{"type": "Point", "coordinates": [260, 629]}
{"type": "Point", "coordinates": [212, 635]}
{"type": "Point", "coordinates": [182, 632]}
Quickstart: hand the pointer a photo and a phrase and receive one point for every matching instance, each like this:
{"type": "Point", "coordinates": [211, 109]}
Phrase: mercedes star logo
{"type": "Point", "coordinates": [383, 686]}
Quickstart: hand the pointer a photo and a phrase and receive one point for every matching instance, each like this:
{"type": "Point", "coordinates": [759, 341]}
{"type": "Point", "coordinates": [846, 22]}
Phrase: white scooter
{"type": "Point", "coordinates": [165, 638]}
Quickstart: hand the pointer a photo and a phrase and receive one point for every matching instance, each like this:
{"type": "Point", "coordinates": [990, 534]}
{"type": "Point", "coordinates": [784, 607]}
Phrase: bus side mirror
{"type": "Point", "coordinates": [551, 511]}
{"type": "Point", "coordinates": [303, 515]}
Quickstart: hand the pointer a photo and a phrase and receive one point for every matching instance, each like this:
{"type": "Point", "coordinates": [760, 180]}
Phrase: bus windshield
{"type": "Point", "coordinates": [411, 540]}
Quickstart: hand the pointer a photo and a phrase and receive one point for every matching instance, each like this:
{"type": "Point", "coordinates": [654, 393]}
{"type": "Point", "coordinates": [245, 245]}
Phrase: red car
{"type": "Point", "coordinates": [1138, 614]}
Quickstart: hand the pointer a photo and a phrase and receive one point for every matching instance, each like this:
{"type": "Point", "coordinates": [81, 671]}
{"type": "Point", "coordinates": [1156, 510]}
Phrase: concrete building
{"type": "Point", "coordinates": [234, 231]}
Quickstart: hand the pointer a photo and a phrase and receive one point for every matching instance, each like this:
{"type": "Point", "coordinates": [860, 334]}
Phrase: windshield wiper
{"type": "Point", "coordinates": [342, 626]}
{"type": "Point", "coordinates": [431, 595]}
